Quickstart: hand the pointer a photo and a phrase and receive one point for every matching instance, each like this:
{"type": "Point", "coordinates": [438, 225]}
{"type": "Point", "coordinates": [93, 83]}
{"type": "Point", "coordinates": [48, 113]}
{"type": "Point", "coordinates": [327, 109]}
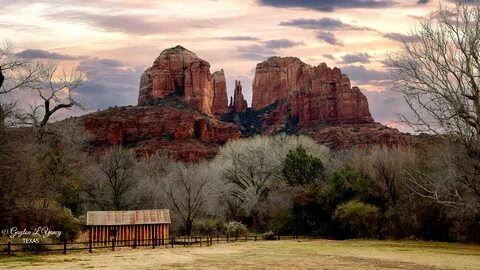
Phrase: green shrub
{"type": "Point", "coordinates": [65, 222]}
{"type": "Point", "coordinates": [300, 168]}
{"type": "Point", "coordinates": [357, 219]}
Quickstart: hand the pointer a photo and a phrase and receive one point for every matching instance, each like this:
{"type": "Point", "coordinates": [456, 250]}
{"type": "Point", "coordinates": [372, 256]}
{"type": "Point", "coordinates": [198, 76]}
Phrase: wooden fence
{"type": "Point", "coordinates": [171, 242]}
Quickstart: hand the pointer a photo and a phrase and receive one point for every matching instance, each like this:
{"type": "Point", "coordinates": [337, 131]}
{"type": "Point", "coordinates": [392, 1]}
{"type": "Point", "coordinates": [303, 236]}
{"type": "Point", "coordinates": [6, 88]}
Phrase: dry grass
{"type": "Point", "coordinates": [285, 254]}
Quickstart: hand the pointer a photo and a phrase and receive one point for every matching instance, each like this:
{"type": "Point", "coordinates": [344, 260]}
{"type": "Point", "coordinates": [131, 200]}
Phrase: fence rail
{"type": "Point", "coordinates": [179, 241]}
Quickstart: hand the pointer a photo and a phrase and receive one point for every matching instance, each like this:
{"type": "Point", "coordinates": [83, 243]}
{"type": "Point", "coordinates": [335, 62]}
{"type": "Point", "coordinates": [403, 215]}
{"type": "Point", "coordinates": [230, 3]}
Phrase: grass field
{"type": "Point", "coordinates": [285, 254]}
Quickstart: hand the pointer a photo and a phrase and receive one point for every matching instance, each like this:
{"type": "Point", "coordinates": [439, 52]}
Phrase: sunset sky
{"type": "Point", "coordinates": [113, 41]}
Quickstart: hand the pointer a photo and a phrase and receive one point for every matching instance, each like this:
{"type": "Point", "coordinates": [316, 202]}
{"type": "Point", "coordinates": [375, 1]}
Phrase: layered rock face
{"type": "Point", "coordinates": [220, 99]}
{"type": "Point", "coordinates": [239, 102]}
{"type": "Point", "coordinates": [182, 134]}
{"type": "Point", "coordinates": [180, 71]}
{"type": "Point", "coordinates": [315, 95]}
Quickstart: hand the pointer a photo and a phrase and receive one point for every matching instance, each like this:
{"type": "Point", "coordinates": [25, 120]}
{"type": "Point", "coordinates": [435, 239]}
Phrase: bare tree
{"type": "Point", "coordinates": [112, 185]}
{"type": "Point", "coordinates": [15, 74]}
{"type": "Point", "coordinates": [252, 169]}
{"type": "Point", "coordinates": [56, 90]}
{"type": "Point", "coordinates": [439, 77]}
{"type": "Point", "coordinates": [187, 188]}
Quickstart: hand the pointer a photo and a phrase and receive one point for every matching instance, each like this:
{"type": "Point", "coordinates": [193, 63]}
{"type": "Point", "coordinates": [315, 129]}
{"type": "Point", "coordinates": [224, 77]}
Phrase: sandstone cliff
{"type": "Point", "coordinates": [316, 95]}
{"type": "Point", "coordinates": [220, 99]}
{"type": "Point", "coordinates": [185, 102]}
{"type": "Point", "coordinates": [180, 133]}
{"type": "Point", "coordinates": [239, 102]}
{"type": "Point", "coordinates": [180, 71]}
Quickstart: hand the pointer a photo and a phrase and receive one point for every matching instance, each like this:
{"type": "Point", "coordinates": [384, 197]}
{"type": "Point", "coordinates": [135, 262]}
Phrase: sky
{"type": "Point", "coordinates": [113, 41]}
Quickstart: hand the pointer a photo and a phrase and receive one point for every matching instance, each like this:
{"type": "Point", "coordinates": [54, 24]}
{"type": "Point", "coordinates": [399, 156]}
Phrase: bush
{"type": "Point", "coordinates": [65, 222]}
{"type": "Point", "coordinates": [357, 219]}
{"type": "Point", "coordinates": [208, 226]}
{"type": "Point", "coordinates": [300, 168]}
{"type": "Point", "coordinates": [269, 236]}
{"type": "Point", "coordinates": [235, 228]}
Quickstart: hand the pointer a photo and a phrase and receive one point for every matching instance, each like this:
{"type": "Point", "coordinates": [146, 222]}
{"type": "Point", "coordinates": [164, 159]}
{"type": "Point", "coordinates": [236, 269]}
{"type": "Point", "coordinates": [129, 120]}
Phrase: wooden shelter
{"type": "Point", "coordinates": [137, 226]}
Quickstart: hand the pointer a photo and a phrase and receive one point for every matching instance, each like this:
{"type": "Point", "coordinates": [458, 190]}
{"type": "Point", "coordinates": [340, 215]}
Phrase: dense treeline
{"type": "Point", "coordinates": [281, 184]}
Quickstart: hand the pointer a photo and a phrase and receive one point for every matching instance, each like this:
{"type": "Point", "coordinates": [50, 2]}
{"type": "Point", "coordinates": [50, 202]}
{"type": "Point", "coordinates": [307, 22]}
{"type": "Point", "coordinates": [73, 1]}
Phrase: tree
{"type": "Point", "coordinates": [300, 168]}
{"type": "Point", "coordinates": [252, 169]}
{"type": "Point", "coordinates": [15, 74]}
{"type": "Point", "coordinates": [439, 77]}
{"type": "Point", "coordinates": [188, 188]}
{"type": "Point", "coordinates": [112, 185]}
{"type": "Point", "coordinates": [56, 90]}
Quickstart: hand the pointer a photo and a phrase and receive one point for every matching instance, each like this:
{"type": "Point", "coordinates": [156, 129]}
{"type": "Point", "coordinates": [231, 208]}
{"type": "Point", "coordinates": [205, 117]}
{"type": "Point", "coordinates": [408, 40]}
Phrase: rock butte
{"type": "Point", "coordinates": [181, 106]}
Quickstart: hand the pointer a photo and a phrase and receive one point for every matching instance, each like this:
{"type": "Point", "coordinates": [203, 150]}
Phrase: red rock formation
{"type": "Point", "coordinates": [276, 78]}
{"type": "Point", "coordinates": [317, 94]}
{"type": "Point", "coordinates": [220, 98]}
{"type": "Point", "coordinates": [178, 70]}
{"type": "Point", "coordinates": [361, 135]}
{"type": "Point", "coordinates": [181, 133]}
{"type": "Point", "coordinates": [239, 102]}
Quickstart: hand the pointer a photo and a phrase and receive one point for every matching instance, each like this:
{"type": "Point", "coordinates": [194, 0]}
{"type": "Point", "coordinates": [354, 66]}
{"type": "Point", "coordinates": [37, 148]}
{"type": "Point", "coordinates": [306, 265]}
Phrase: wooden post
{"type": "Point", "coordinates": [172, 240]}
{"type": "Point", "coordinates": [9, 248]}
{"type": "Point", "coordinates": [90, 246]}
{"type": "Point", "coordinates": [236, 237]}
{"type": "Point", "coordinates": [200, 240]}
{"type": "Point", "coordinates": [65, 246]}
{"type": "Point", "coordinates": [246, 238]}
{"type": "Point", "coordinates": [134, 242]}
{"type": "Point", "coordinates": [217, 239]}
{"type": "Point", "coordinates": [153, 242]}
{"type": "Point", "coordinates": [227, 237]}
{"type": "Point", "coordinates": [113, 244]}
{"type": "Point", "coordinates": [255, 238]}
{"type": "Point", "coordinates": [37, 249]}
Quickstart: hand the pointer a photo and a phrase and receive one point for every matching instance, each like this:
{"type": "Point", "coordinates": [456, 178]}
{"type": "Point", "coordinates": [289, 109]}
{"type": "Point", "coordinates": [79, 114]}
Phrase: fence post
{"type": "Point", "coordinates": [255, 238]}
{"type": "Point", "coordinates": [246, 238]}
{"type": "Point", "coordinates": [37, 248]}
{"type": "Point", "coordinates": [9, 248]}
{"type": "Point", "coordinates": [236, 237]}
{"type": "Point", "coordinates": [153, 242]}
{"type": "Point", "coordinates": [279, 237]}
{"type": "Point", "coordinates": [211, 240]}
{"type": "Point", "coordinates": [200, 240]}
{"type": "Point", "coordinates": [227, 237]}
{"type": "Point", "coordinates": [90, 246]}
{"type": "Point", "coordinates": [65, 246]}
{"type": "Point", "coordinates": [172, 240]}
{"type": "Point", "coordinates": [134, 242]}
{"type": "Point", "coordinates": [113, 244]}
{"type": "Point", "coordinates": [217, 239]}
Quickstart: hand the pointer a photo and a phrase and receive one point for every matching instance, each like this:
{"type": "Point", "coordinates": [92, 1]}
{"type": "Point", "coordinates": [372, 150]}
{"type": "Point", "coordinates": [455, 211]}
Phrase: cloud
{"type": "Point", "coordinates": [265, 49]}
{"type": "Point", "coordinates": [385, 106]}
{"type": "Point", "coordinates": [329, 56]}
{"type": "Point", "coordinates": [356, 58]}
{"type": "Point", "coordinates": [401, 37]}
{"type": "Point", "coordinates": [239, 38]}
{"type": "Point", "coordinates": [329, 38]}
{"type": "Point", "coordinates": [42, 54]}
{"type": "Point", "coordinates": [109, 82]}
{"type": "Point", "coordinates": [328, 5]}
{"type": "Point", "coordinates": [281, 43]}
{"type": "Point", "coordinates": [362, 75]}
{"type": "Point", "coordinates": [323, 24]}
{"type": "Point", "coordinates": [130, 24]}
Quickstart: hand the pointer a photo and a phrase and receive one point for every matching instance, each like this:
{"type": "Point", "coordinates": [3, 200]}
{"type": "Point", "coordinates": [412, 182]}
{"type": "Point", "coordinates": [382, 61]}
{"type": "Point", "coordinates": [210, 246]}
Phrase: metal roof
{"type": "Point", "coordinates": [133, 217]}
